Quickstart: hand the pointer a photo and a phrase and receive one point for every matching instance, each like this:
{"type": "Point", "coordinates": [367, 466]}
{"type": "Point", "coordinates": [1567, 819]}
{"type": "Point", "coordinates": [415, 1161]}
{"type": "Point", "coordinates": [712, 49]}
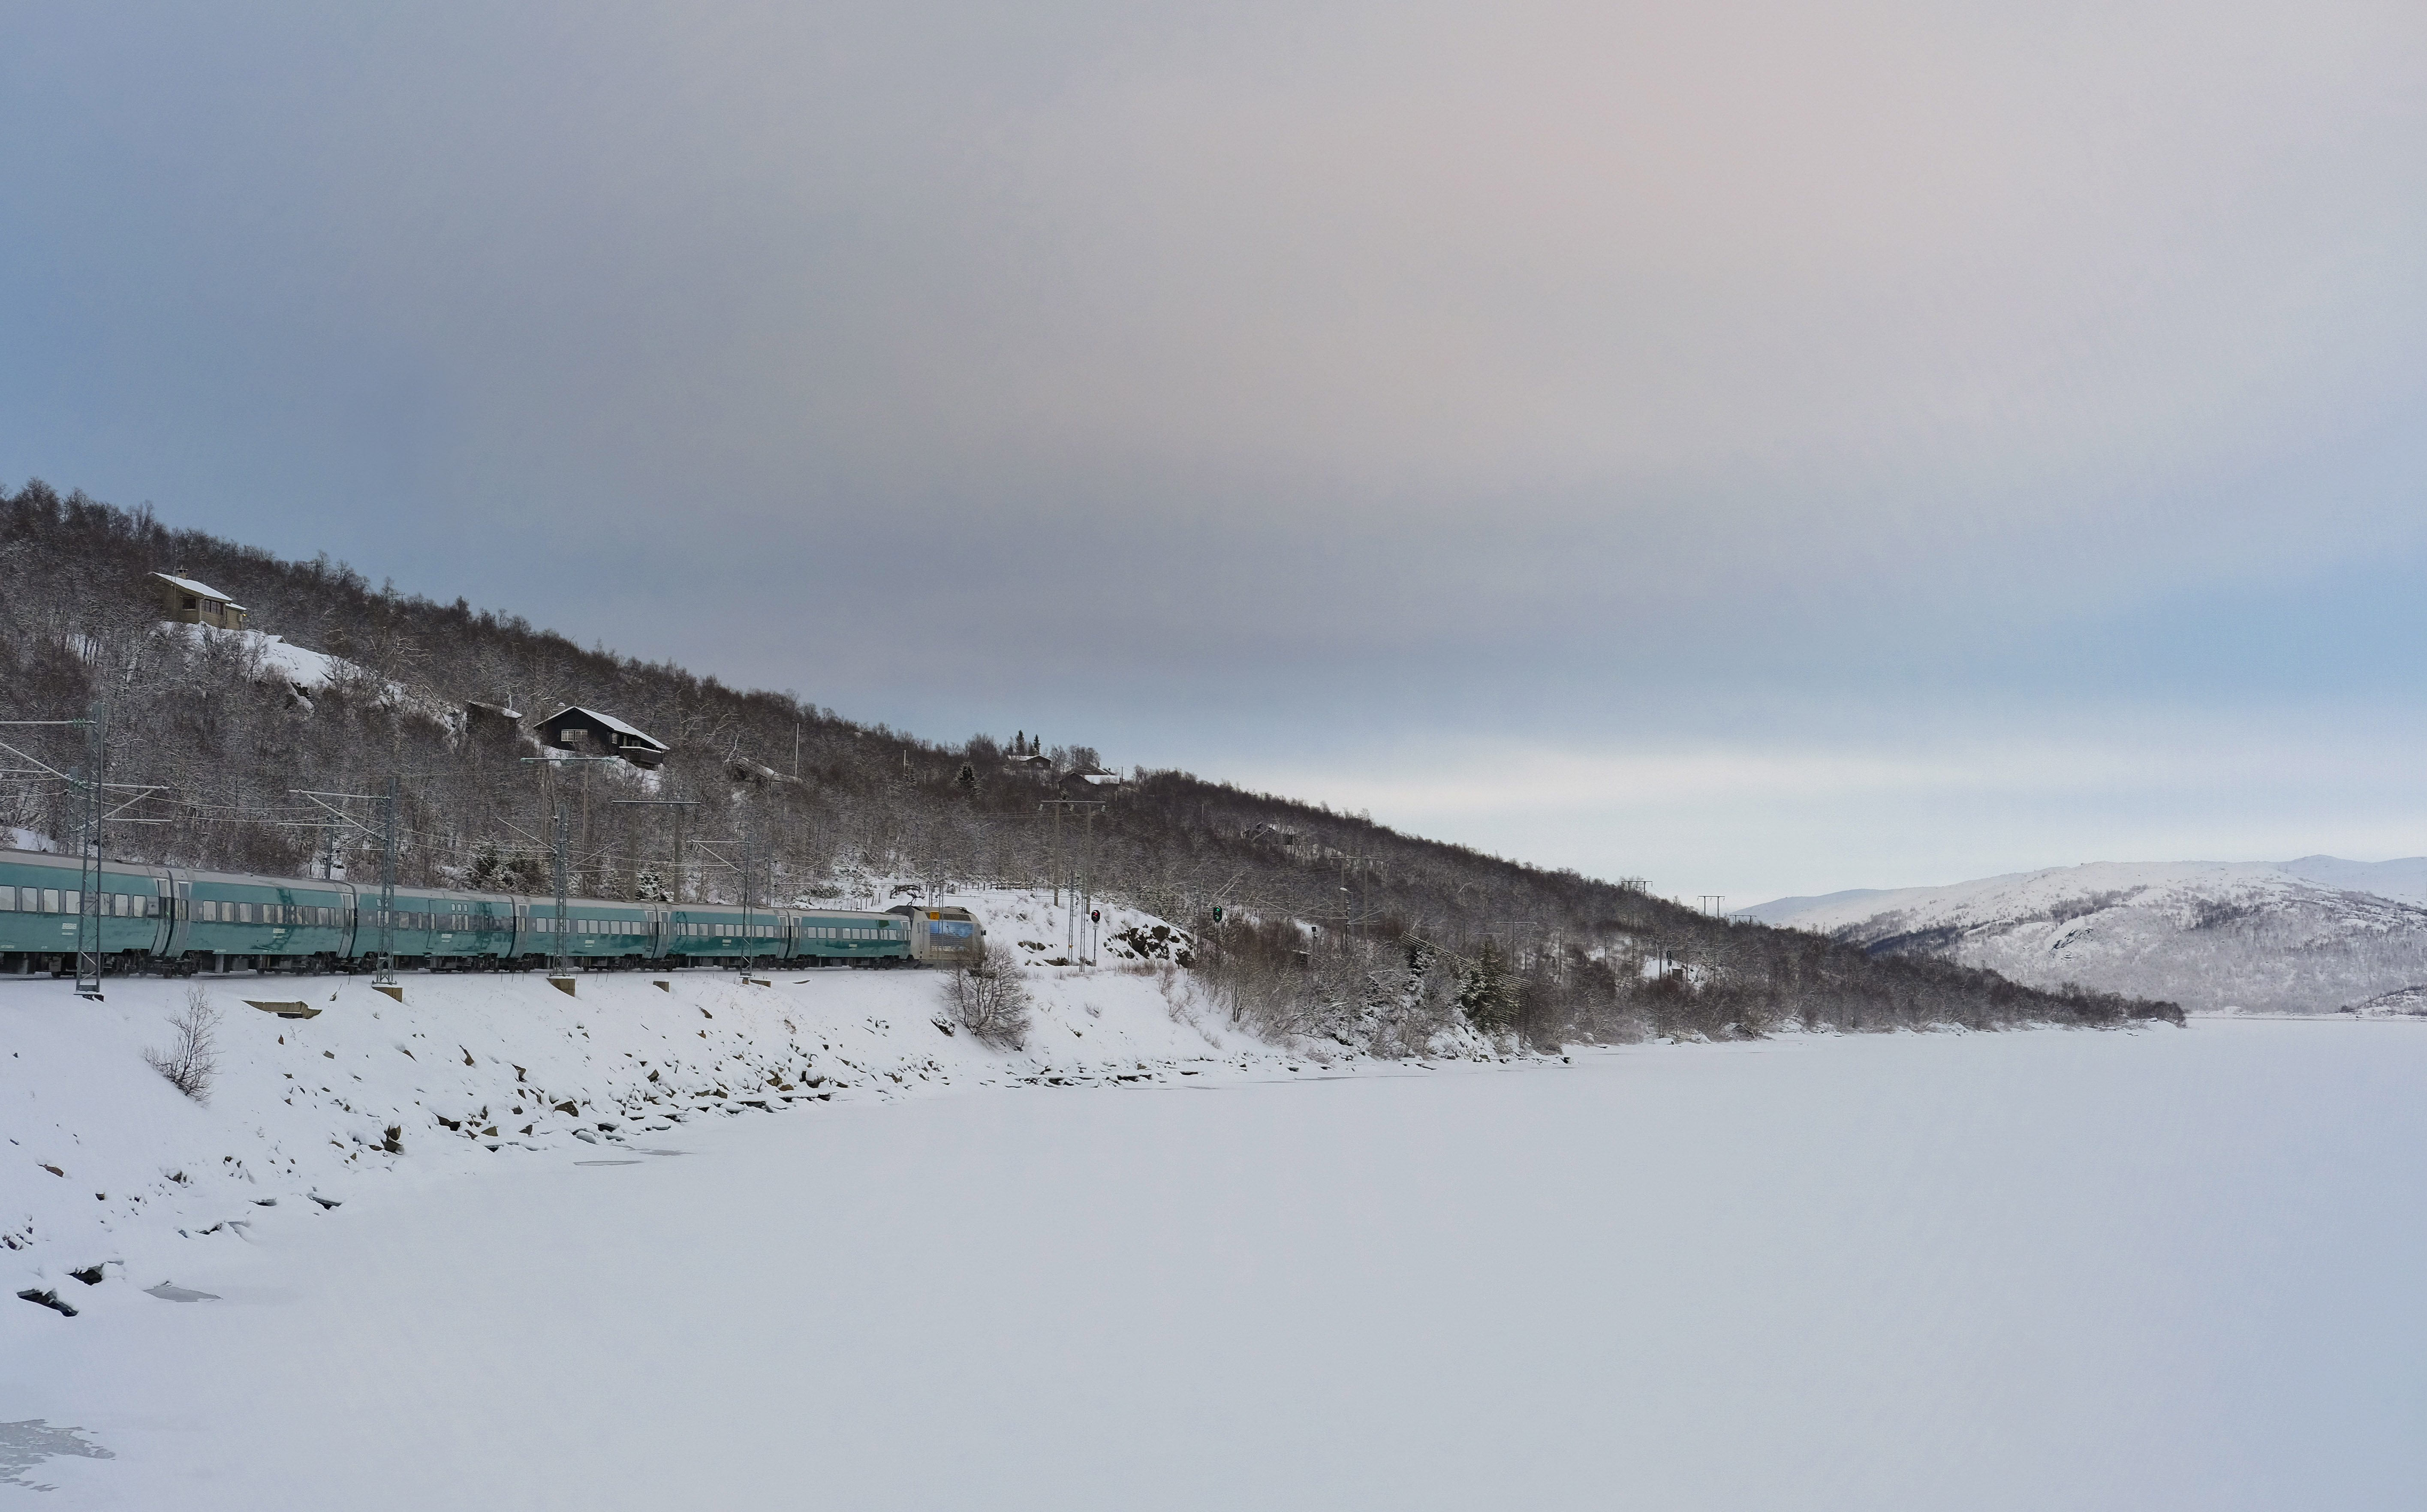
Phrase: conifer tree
{"type": "Point", "coordinates": [1485, 992]}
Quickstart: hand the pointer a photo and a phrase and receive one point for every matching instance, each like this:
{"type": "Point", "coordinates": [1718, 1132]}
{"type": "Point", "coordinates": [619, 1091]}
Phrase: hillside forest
{"type": "Point", "coordinates": [1331, 927]}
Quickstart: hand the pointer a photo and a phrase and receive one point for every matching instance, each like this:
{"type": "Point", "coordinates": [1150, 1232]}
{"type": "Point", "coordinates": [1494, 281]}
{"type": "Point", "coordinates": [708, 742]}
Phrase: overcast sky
{"type": "Point", "coordinates": [1764, 447]}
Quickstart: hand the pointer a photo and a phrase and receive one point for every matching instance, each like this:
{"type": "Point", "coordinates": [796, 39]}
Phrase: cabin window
{"type": "Point", "coordinates": [190, 601]}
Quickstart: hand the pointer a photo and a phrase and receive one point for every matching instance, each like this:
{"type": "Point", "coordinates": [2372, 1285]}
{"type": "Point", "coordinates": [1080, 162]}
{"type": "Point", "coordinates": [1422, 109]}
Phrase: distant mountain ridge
{"type": "Point", "coordinates": [2315, 934]}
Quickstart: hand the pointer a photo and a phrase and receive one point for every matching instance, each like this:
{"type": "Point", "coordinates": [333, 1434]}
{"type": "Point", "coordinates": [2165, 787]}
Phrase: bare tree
{"type": "Point", "coordinates": [989, 1000]}
{"type": "Point", "coordinates": [192, 1059]}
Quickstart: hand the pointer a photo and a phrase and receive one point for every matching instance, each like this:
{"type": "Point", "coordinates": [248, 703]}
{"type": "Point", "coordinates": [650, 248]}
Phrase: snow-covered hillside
{"type": "Point", "coordinates": [2313, 935]}
{"type": "Point", "coordinates": [106, 1164]}
{"type": "Point", "coordinates": [302, 673]}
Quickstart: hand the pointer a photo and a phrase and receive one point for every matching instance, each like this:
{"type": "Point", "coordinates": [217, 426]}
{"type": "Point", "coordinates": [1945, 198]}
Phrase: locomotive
{"type": "Point", "coordinates": [175, 920]}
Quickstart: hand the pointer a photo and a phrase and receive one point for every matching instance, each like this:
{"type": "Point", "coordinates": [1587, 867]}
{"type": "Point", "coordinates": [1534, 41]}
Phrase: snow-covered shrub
{"type": "Point", "coordinates": [989, 1000]}
{"type": "Point", "coordinates": [192, 1059]}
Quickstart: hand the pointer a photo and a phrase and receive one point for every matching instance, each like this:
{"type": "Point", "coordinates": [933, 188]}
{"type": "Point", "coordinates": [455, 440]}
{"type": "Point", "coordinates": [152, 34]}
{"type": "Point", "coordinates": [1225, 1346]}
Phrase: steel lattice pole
{"type": "Point", "coordinates": [89, 860]}
{"type": "Point", "coordinates": [563, 966]}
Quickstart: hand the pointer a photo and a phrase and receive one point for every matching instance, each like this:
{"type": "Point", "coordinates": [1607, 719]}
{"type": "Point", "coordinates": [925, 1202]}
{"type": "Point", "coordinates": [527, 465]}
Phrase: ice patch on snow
{"type": "Point", "coordinates": [26, 1444]}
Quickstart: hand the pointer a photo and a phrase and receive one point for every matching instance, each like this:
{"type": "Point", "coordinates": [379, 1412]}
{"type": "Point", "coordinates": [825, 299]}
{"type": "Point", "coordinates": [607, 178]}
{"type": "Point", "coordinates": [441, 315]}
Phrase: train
{"type": "Point", "coordinates": [177, 921]}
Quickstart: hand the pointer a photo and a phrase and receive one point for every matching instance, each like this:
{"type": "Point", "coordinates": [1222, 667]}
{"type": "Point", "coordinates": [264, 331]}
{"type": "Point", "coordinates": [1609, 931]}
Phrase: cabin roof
{"type": "Point", "coordinates": [576, 714]}
{"type": "Point", "coordinates": [187, 585]}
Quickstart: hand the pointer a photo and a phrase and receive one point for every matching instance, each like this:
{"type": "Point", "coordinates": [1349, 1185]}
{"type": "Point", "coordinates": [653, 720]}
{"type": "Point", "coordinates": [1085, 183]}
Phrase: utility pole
{"type": "Point", "coordinates": [748, 940]}
{"type": "Point", "coordinates": [1083, 885]}
{"type": "Point", "coordinates": [560, 963]}
{"type": "Point", "coordinates": [677, 805]}
{"type": "Point", "coordinates": [1711, 903]}
{"type": "Point", "coordinates": [87, 983]}
{"type": "Point", "coordinates": [385, 975]}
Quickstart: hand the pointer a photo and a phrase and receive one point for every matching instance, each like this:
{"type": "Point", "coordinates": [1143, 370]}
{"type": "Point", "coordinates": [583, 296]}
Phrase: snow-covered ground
{"type": "Point", "coordinates": [2312, 935]}
{"type": "Point", "coordinates": [106, 1160]}
{"type": "Point", "coordinates": [2164, 1269]}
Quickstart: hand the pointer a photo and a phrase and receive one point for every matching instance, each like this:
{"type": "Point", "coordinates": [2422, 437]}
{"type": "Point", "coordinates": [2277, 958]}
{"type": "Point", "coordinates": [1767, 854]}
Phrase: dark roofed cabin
{"type": "Point", "coordinates": [570, 728]}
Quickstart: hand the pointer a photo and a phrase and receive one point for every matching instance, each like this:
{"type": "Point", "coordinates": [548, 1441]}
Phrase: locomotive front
{"type": "Point", "coordinates": [946, 937]}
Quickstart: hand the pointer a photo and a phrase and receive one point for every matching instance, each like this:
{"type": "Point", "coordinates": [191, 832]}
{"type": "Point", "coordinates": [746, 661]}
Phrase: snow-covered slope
{"type": "Point", "coordinates": [106, 1164]}
{"type": "Point", "coordinates": [2312, 935]}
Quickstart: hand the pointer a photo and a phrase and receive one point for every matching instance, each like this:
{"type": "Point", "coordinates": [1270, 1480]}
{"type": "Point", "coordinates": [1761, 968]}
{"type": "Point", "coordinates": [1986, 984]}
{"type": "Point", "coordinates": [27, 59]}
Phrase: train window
{"type": "Point", "coordinates": [70, 903]}
{"type": "Point", "coordinates": [118, 905]}
{"type": "Point", "coordinates": [8, 900]}
{"type": "Point", "coordinates": [50, 900]}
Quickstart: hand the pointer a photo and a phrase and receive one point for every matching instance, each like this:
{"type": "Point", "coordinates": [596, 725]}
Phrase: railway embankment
{"type": "Point", "coordinates": [339, 1092]}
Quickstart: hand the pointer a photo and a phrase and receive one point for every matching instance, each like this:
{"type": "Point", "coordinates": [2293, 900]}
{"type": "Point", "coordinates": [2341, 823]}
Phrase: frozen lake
{"type": "Point", "coordinates": [2174, 1268]}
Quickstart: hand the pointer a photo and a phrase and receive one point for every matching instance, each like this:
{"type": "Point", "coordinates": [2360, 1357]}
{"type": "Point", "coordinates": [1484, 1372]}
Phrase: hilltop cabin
{"type": "Point", "coordinates": [1034, 764]}
{"type": "Point", "coordinates": [570, 728]}
{"type": "Point", "coordinates": [1093, 787]}
{"type": "Point", "coordinates": [191, 603]}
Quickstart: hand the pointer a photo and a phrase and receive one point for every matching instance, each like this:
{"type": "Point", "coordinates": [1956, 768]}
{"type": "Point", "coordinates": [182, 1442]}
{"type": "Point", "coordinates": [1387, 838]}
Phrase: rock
{"type": "Point", "coordinates": [89, 1276]}
{"type": "Point", "coordinates": [167, 1293]}
{"type": "Point", "coordinates": [328, 1202]}
{"type": "Point", "coordinates": [50, 1300]}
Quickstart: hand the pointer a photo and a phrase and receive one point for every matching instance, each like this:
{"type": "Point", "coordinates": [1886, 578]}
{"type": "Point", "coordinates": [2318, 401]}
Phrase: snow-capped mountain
{"type": "Point", "coordinates": [2317, 934]}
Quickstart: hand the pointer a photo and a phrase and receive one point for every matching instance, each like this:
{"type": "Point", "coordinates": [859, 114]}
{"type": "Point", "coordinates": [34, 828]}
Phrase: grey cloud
{"type": "Point", "coordinates": [1361, 362]}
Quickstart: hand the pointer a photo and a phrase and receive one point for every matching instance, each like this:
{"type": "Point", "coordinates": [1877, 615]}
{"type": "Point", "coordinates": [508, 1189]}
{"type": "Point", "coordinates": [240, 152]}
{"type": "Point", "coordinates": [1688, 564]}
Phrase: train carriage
{"type": "Point", "coordinates": [449, 931]}
{"type": "Point", "coordinates": [42, 897]}
{"type": "Point", "coordinates": [268, 924]}
{"type": "Point", "coordinates": [175, 920]}
{"type": "Point", "coordinates": [594, 930]}
{"type": "Point", "coordinates": [828, 936]}
{"type": "Point", "coordinates": [695, 931]}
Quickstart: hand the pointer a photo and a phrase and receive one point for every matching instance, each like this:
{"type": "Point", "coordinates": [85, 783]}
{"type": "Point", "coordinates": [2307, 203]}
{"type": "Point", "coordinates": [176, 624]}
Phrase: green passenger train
{"type": "Point", "coordinates": [177, 921]}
